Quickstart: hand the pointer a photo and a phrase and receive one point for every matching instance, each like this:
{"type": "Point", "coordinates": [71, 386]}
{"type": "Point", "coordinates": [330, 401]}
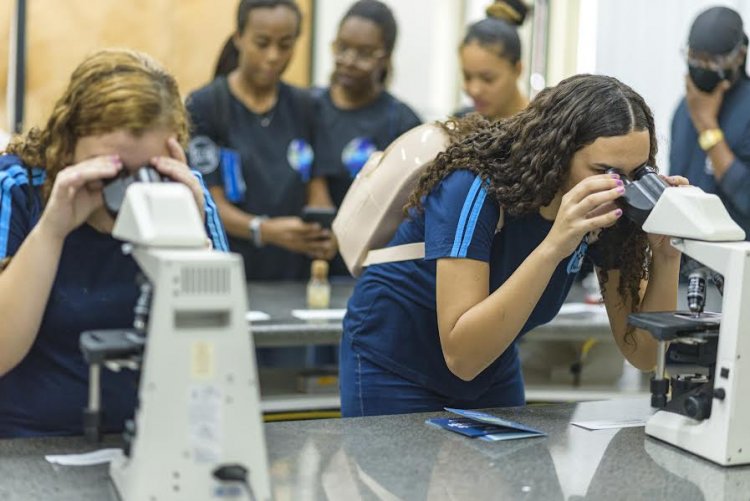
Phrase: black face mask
{"type": "Point", "coordinates": [707, 80]}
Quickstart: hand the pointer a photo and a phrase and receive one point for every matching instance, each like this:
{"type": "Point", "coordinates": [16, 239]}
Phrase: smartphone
{"type": "Point", "coordinates": [324, 216]}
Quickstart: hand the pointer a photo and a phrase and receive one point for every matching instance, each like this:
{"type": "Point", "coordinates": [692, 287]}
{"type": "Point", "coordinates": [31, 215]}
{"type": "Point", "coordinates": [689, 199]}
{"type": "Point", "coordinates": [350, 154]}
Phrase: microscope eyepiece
{"type": "Point", "coordinates": [114, 189]}
{"type": "Point", "coordinates": [643, 170]}
{"type": "Point", "coordinates": [641, 194]}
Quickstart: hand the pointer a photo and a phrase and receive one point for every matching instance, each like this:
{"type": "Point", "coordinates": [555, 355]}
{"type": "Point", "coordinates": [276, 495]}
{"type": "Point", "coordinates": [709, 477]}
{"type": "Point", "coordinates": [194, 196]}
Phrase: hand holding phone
{"type": "Point", "coordinates": [324, 216]}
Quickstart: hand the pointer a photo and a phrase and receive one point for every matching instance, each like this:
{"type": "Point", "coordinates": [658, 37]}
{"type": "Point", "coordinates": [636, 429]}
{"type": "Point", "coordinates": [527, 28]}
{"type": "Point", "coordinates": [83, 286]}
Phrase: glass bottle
{"type": "Point", "coordinates": [318, 288]}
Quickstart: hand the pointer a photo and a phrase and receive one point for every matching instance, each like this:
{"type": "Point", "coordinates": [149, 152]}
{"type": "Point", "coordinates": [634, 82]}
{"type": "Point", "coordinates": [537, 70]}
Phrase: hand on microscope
{"type": "Point", "coordinates": [76, 194]}
{"type": "Point", "coordinates": [586, 208]}
{"type": "Point", "coordinates": [175, 167]}
{"type": "Point", "coordinates": [659, 244]}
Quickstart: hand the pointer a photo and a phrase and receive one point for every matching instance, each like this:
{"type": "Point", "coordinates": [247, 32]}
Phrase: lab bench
{"type": "Point", "coordinates": [400, 457]}
{"type": "Point", "coordinates": [604, 376]}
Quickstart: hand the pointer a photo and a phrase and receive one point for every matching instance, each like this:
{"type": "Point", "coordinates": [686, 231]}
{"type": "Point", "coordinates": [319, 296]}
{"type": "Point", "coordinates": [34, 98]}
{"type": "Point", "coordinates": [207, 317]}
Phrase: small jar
{"type": "Point", "coordinates": [318, 288]}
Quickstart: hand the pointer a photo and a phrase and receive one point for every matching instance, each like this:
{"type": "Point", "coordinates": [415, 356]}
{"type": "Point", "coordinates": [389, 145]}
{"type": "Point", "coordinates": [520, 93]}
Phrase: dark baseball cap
{"type": "Point", "coordinates": [717, 30]}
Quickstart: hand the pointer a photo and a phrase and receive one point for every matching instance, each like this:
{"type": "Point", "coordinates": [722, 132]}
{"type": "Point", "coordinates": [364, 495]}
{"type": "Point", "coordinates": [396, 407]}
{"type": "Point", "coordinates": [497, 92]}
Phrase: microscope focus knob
{"type": "Point", "coordinates": [698, 407]}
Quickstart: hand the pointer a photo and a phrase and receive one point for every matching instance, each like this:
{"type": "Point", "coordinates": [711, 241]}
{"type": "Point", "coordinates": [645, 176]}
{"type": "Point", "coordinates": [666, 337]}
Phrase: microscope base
{"type": "Point", "coordinates": [702, 438]}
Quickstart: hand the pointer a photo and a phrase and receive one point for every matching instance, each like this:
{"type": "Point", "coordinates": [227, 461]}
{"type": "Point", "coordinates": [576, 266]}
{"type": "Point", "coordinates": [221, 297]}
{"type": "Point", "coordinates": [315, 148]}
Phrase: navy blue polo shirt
{"type": "Point", "coordinates": [94, 288]}
{"type": "Point", "coordinates": [262, 161]}
{"type": "Point", "coordinates": [686, 158]}
{"type": "Point", "coordinates": [345, 139]}
{"type": "Point", "coordinates": [391, 317]}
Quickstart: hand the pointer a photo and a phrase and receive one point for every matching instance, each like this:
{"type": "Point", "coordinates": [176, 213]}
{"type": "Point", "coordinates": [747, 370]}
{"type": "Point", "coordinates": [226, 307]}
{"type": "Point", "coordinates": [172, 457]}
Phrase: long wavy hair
{"type": "Point", "coordinates": [112, 89]}
{"type": "Point", "coordinates": [526, 158]}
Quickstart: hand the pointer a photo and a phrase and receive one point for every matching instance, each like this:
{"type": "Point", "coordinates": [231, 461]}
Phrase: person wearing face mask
{"type": "Point", "coordinates": [490, 56]}
{"type": "Point", "coordinates": [710, 139]}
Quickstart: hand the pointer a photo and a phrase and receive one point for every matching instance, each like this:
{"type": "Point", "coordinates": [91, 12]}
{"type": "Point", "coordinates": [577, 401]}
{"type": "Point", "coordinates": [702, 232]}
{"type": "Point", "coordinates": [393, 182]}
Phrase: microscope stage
{"type": "Point", "coordinates": [670, 325]}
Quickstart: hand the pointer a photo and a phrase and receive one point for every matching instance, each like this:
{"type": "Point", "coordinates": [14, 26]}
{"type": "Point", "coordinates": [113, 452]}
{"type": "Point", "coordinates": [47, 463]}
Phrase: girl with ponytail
{"type": "Point", "coordinates": [490, 56]}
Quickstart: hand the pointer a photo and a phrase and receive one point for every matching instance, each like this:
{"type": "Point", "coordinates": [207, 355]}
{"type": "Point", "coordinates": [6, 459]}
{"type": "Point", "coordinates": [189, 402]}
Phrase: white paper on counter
{"type": "Point", "coordinates": [608, 424]}
{"type": "Point", "coordinates": [333, 314]}
{"type": "Point", "coordinates": [257, 316]}
{"type": "Point", "coordinates": [101, 456]}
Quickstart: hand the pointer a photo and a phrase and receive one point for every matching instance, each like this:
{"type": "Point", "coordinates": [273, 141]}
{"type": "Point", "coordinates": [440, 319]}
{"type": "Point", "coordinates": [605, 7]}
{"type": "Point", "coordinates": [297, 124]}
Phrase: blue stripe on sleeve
{"type": "Point", "coordinates": [19, 174]}
{"type": "Point", "coordinates": [475, 210]}
{"type": "Point", "coordinates": [6, 184]}
{"type": "Point", "coordinates": [15, 175]}
{"type": "Point", "coordinates": [461, 227]}
{"type": "Point", "coordinates": [213, 221]}
{"type": "Point", "coordinates": [215, 227]}
{"type": "Point", "coordinates": [38, 176]}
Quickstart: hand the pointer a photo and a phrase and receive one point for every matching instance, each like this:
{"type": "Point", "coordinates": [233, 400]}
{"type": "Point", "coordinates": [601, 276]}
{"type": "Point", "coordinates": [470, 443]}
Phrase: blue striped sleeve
{"type": "Point", "coordinates": [460, 218]}
{"type": "Point", "coordinates": [15, 215]}
{"type": "Point", "coordinates": [214, 226]}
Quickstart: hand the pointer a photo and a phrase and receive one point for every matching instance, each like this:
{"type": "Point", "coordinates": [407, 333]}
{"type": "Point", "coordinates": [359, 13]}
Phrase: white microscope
{"type": "Point", "coordinates": [197, 431]}
{"type": "Point", "coordinates": [707, 414]}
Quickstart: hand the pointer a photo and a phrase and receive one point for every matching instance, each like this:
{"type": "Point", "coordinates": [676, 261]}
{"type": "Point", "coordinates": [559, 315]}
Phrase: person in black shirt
{"type": "Point", "coordinates": [356, 115]}
{"type": "Point", "coordinates": [252, 140]}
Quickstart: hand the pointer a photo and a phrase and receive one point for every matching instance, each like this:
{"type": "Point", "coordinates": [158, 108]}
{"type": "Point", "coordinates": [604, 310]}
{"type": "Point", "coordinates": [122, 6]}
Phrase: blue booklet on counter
{"type": "Point", "coordinates": [475, 424]}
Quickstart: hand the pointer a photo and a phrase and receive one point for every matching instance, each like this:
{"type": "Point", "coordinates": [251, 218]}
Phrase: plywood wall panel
{"type": "Point", "coordinates": [6, 8]}
{"type": "Point", "coordinates": [185, 35]}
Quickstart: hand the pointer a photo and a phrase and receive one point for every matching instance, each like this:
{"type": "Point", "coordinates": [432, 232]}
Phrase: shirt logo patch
{"type": "Point", "coordinates": [300, 156]}
{"type": "Point", "coordinates": [576, 260]}
{"type": "Point", "coordinates": [203, 154]}
{"type": "Point", "coordinates": [356, 153]}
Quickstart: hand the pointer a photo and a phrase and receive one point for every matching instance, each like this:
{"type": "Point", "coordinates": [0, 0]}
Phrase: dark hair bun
{"type": "Point", "coordinates": [511, 11]}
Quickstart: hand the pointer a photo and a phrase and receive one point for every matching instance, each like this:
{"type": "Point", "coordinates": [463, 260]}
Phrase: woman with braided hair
{"type": "Point", "coordinates": [62, 271]}
{"type": "Point", "coordinates": [441, 331]}
{"type": "Point", "coordinates": [490, 55]}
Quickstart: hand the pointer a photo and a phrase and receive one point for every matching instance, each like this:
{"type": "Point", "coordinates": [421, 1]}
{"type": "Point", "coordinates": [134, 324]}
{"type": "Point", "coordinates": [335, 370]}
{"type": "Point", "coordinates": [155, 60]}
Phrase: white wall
{"type": "Point", "coordinates": [426, 67]}
{"type": "Point", "coordinates": [639, 42]}
{"type": "Point", "coordinates": [425, 58]}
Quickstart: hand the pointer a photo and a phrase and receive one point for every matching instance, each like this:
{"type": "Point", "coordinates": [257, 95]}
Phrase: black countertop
{"type": "Point", "coordinates": [399, 457]}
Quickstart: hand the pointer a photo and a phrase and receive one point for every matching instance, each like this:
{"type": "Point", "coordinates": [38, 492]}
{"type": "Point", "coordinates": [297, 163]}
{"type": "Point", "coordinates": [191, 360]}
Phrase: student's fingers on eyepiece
{"type": "Point", "coordinates": [593, 184]}
{"type": "Point", "coordinates": [601, 209]}
{"type": "Point", "coordinates": [95, 169]}
{"type": "Point", "coordinates": [176, 151]}
{"type": "Point", "coordinates": [677, 180]}
{"type": "Point", "coordinates": [603, 221]}
{"type": "Point", "coordinates": [173, 169]}
{"type": "Point", "coordinates": [596, 199]}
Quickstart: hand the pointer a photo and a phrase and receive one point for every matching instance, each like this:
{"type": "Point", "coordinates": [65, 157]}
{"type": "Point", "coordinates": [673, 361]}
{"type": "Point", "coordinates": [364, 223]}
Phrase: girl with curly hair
{"type": "Point", "coordinates": [421, 335]}
{"type": "Point", "coordinates": [63, 272]}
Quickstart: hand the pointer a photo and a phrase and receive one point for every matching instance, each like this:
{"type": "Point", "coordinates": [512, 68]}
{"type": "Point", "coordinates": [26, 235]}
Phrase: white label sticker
{"type": "Point", "coordinates": [204, 422]}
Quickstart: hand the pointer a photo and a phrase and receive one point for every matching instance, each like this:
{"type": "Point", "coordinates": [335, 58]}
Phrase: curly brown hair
{"type": "Point", "coordinates": [526, 158]}
{"type": "Point", "coordinates": [111, 89]}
